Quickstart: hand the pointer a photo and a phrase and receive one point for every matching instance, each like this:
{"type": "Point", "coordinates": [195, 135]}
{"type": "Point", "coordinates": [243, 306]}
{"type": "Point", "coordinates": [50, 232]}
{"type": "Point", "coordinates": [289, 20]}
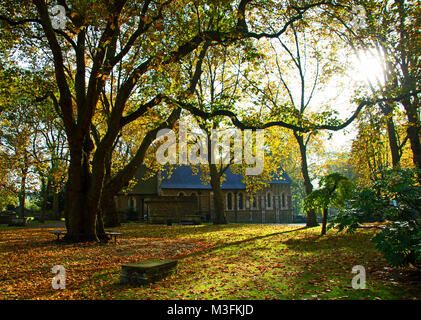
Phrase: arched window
{"type": "Point", "coordinates": [240, 201]}
{"type": "Point", "coordinates": [132, 203]}
{"type": "Point", "coordinates": [229, 201]}
{"type": "Point", "coordinates": [254, 202]}
{"type": "Point", "coordinates": [284, 205]}
{"type": "Point", "coordinates": [269, 203]}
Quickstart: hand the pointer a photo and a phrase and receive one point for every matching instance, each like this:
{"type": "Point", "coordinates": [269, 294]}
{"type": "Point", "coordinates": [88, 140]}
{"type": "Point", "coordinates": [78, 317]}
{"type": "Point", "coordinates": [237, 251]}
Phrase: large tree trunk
{"type": "Point", "coordinates": [409, 84]}
{"type": "Point", "coordinates": [414, 138]}
{"type": "Point", "coordinates": [391, 132]}
{"type": "Point", "coordinates": [311, 214]}
{"type": "Point", "coordinates": [218, 198]}
{"type": "Point", "coordinates": [393, 143]}
{"type": "Point", "coordinates": [81, 221]}
{"type": "Point", "coordinates": [22, 193]}
{"type": "Point", "coordinates": [82, 209]}
{"type": "Point", "coordinates": [215, 181]}
{"type": "Point", "coordinates": [413, 132]}
{"type": "Point", "coordinates": [114, 184]}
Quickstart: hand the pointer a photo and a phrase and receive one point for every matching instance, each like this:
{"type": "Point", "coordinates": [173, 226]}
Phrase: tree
{"type": "Point", "coordinates": [391, 33]}
{"type": "Point", "coordinates": [334, 190]}
{"type": "Point", "coordinates": [370, 152]}
{"type": "Point", "coordinates": [102, 36]}
{"type": "Point", "coordinates": [301, 69]}
{"type": "Point", "coordinates": [218, 86]}
{"type": "Point", "coordinates": [395, 197]}
{"type": "Point", "coordinates": [16, 140]}
{"type": "Point", "coordinates": [7, 188]}
{"type": "Point", "coordinates": [50, 153]}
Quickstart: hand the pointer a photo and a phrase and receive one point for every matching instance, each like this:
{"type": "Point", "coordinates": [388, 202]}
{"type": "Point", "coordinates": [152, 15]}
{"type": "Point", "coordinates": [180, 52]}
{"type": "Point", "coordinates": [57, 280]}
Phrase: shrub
{"type": "Point", "coordinates": [396, 198]}
{"type": "Point", "coordinates": [400, 242]}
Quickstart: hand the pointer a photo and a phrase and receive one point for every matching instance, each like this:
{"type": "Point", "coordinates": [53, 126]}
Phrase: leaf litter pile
{"type": "Point", "coordinates": [233, 261]}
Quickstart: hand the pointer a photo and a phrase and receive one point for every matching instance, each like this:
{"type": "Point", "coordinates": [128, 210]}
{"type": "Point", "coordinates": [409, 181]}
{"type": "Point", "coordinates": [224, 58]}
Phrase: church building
{"type": "Point", "coordinates": [179, 195]}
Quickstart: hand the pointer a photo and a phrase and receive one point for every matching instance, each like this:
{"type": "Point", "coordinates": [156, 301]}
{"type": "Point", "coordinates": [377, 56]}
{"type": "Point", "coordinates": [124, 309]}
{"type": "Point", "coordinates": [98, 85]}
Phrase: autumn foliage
{"type": "Point", "coordinates": [215, 262]}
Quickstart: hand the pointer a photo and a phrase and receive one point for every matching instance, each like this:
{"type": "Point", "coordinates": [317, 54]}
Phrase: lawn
{"type": "Point", "coordinates": [234, 261]}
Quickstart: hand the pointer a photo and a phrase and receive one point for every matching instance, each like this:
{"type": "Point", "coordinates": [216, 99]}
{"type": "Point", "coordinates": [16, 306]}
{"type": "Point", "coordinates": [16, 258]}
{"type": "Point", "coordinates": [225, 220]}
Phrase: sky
{"type": "Point", "coordinates": [365, 69]}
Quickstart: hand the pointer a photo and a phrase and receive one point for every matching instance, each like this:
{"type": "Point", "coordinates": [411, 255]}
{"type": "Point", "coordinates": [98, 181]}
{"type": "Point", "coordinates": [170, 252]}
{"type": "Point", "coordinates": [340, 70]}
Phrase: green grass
{"type": "Point", "coordinates": [288, 265]}
{"type": "Point", "coordinates": [234, 261]}
{"type": "Point", "coordinates": [31, 223]}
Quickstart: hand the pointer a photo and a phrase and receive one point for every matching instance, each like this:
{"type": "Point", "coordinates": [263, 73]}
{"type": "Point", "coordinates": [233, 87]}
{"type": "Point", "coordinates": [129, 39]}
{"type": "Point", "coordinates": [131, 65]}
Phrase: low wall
{"type": "Point", "coordinates": [258, 216]}
{"type": "Point", "coordinates": [173, 209]}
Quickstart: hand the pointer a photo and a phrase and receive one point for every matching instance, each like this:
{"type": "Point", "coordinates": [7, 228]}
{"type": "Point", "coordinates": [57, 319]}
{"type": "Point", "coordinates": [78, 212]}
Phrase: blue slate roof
{"type": "Point", "coordinates": [182, 177]}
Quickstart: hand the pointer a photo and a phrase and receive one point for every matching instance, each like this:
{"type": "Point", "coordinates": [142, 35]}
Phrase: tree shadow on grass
{"type": "Point", "coordinates": [239, 242]}
{"type": "Point", "coordinates": [177, 231]}
{"type": "Point", "coordinates": [332, 240]}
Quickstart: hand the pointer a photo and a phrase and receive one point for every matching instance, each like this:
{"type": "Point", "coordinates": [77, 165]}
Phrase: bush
{"type": "Point", "coordinates": [396, 198]}
{"type": "Point", "coordinates": [400, 242]}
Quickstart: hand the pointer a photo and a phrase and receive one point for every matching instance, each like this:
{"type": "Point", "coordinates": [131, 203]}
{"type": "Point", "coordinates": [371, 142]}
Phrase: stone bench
{"type": "Point", "coordinates": [140, 273]}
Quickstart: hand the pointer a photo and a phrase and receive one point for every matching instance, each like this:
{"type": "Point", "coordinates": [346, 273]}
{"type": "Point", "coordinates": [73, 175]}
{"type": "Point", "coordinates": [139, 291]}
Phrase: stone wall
{"type": "Point", "coordinates": [260, 214]}
{"type": "Point", "coordinates": [173, 209]}
{"type": "Point", "coordinates": [180, 205]}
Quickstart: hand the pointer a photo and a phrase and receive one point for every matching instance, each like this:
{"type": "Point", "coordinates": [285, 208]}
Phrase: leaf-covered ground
{"type": "Point", "coordinates": [215, 262]}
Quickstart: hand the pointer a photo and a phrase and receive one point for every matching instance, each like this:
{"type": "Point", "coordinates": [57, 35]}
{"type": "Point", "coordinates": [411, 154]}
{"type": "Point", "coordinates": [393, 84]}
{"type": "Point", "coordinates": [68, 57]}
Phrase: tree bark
{"type": "Point", "coordinates": [324, 221]}
{"type": "Point", "coordinates": [391, 132]}
{"type": "Point", "coordinates": [215, 181]}
{"type": "Point", "coordinates": [46, 190]}
{"type": "Point", "coordinates": [22, 193]}
{"type": "Point", "coordinates": [408, 84]}
{"type": "Point", "coordinates": [413, 132]}
{"type": "Point", "coordinates": [81, 210]}
{"type": "Point", "coordinates": [311, 214]}
{"type": "Point", "coordinates": [393, 143]}
{"type": "Point", "coordinates": [56, 208]}
{"type": "Point", "coordinates": [114, 184]}
{"type": "Point", "coordinates": [218, 198]}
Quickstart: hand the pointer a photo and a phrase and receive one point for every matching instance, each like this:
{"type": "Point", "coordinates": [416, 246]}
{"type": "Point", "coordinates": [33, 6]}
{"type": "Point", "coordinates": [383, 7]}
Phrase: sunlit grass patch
{"type": "Point", "coordinates": [233, 261]}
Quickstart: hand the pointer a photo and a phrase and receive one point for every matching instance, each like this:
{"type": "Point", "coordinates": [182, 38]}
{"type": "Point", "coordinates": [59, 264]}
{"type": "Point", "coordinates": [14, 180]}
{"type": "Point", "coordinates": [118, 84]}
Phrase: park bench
{"type": "Point", "coordinates": [5, 219]}
{"type": "Point", "coordinates": [12, 221]}
{"type": "Point", "coordinates": [112, 234]}
{"type": "Point", "coordinates": [144, 272]}
{"type": "Point", "coordinates": [187, 223]}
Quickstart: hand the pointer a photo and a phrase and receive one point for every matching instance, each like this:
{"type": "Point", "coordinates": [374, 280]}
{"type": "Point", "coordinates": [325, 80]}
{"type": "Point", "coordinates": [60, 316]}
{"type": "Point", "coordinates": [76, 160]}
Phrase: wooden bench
{"type": "Point", "coordinates": [112, 234]}
{"type": "Point", "coordinates": [12, 221]}
{"type": "Point", "coordinates": [19, 222]}
{"type": "Point", "coordinates": [5, 219]}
